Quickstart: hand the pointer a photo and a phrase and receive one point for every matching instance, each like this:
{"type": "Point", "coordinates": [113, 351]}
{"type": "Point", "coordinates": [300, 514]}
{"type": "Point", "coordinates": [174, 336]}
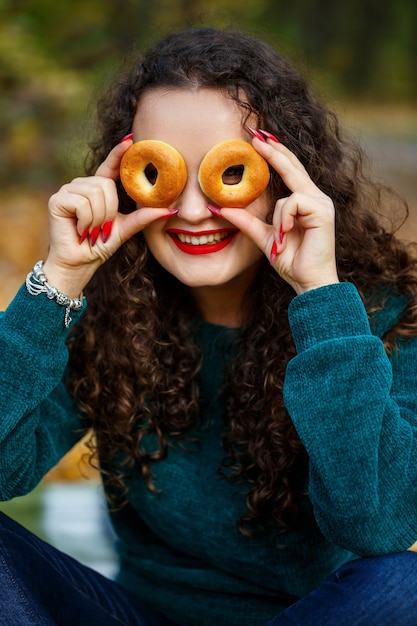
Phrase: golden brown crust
{"type": "Point", "coordinates": [233, 153]}
{"type": "Point", "coordinates": [171, 168]}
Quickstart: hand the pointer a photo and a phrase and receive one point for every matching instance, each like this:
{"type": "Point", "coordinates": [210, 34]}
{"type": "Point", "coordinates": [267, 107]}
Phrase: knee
{"type": "Point", "coordinates": [376, 590]}
{"type": "Point", "coordinates": [392, 567]}
{"type": "Point", "coordinates": [14, 538]}
{"type": "Point", "coordinates": [9, 525]}
{"type": "Point", "coordinates": [391, 578]}
{"type": "Point", "coordinates": [5, 520]}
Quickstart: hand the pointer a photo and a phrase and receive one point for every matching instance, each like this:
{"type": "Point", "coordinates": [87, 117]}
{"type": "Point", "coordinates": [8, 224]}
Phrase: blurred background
{"type": "Point", "coordinates": [55, 57]}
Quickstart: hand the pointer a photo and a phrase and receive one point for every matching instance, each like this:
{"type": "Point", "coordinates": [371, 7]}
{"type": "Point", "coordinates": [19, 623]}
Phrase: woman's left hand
{"type": "Point", "coordinates": [300, 243]}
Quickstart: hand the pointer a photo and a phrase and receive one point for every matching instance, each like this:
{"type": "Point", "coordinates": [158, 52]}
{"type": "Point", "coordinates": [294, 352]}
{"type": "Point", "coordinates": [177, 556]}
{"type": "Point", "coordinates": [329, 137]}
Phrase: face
{"type": "Point", "coordinates": [193, 121]}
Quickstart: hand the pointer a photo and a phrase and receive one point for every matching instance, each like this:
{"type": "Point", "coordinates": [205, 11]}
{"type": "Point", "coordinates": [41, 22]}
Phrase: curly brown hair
{"type": "Point", "coordinates": [133, 362]}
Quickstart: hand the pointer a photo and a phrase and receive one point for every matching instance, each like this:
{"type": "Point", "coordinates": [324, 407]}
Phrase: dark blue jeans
{"type": "Point", "coordinates": [41, 586]}
{"type": "Point", "coordinates": [379, 591]}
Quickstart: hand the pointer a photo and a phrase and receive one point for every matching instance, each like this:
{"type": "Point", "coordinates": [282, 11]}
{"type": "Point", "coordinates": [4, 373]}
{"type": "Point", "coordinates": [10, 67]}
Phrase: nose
{"type": "Point", "coordinates": [192, 202]}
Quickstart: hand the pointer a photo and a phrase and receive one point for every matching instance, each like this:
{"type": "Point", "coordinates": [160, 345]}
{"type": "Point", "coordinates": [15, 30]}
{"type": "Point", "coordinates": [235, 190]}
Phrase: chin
{"type": "Point", "coordinates": [200, 281]}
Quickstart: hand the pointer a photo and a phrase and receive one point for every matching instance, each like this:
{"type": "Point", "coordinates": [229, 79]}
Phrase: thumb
{"type": "Point", "coordinates": [255, 229]}
{"type": "Point", "coordinates": [133, 223]}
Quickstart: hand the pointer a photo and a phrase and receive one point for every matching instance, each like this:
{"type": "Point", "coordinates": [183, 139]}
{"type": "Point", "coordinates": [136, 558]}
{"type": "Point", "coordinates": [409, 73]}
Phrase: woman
{"type": "Point", "coordinates": [252, 397]}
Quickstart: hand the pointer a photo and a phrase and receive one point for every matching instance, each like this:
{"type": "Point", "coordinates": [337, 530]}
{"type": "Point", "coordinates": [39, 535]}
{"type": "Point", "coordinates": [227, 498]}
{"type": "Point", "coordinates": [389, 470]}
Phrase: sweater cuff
{"type": "Point", "coordinates": [327, 313]}
{"type": "Point", "coordinates": [38, 317]}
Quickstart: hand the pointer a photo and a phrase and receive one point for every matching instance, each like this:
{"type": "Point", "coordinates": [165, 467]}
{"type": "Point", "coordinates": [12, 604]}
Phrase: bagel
{"type": "Point", "coordinates": [251, 180]}
{"type": "Point", "coordinates": [153, 173]}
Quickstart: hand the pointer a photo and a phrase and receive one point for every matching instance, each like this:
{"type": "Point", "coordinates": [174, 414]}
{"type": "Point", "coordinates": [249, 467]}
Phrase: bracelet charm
{"type": "Point", "coordinates": [37, 283]}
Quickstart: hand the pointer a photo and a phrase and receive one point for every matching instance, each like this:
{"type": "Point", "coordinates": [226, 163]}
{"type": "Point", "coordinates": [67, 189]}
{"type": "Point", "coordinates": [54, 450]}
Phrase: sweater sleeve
{"type": "Point", "coordinates": [355, 411]}
{"type": "Point", "coordinates": [38, 419]}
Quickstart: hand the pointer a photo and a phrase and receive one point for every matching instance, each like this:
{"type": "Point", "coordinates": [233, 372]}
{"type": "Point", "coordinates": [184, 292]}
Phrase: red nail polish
{"type": "Point", "coordinates": [84, 235]}
{"type": "Point", "coordinates": [281, 234]}
{"type": "Point", "coordinates": [215, 210]}
{"type": "Point", "coordinates": [170, 212]}
{"type": "Point", "coordinates": [273, 252]}
{"type": "Point", "coordinates": [126, 137]}
{"type": "Point", "coordinates": [269, 136]}
{"type": "Point", "coordinates": [106, 230]}
{"type": "Point", "coordinates": [94, 235]}
{"type": "Point", "coordinates": [256, 134]}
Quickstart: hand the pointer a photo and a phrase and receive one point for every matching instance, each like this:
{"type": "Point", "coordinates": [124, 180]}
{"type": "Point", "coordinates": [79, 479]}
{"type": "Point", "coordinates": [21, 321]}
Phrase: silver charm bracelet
{"type": "Point", "coordinates": [37, 283]}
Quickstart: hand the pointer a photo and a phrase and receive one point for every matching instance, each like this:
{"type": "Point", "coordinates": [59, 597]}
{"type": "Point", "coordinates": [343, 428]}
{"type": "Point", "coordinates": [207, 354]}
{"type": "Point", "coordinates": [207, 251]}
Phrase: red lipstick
{"type": "Point", "coordinates": [202, 242]}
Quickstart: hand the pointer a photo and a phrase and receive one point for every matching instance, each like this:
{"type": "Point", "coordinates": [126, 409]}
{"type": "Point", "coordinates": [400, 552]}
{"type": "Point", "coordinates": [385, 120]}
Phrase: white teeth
{"type": "Point", "coordinates": [202, 239]}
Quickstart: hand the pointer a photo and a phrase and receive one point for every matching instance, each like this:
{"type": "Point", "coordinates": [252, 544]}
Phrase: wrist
{"type": "Point", "coordinates": [68, 279]}
{"type": "Point", "coordinates": [317, 280]}
{"type": "Point", "coordinates": [37, 284]}
{"type": "Point", "coordinates": [303, 288]}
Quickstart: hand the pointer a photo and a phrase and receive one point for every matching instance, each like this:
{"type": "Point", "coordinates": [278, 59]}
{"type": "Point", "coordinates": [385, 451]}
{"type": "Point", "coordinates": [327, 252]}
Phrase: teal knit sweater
{"type": "Point", "coordinates": [354, 409]}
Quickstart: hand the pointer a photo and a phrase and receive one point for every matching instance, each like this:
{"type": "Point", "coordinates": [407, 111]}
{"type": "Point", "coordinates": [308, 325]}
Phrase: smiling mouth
{"type": "Point", "coordinates": [202, 243]}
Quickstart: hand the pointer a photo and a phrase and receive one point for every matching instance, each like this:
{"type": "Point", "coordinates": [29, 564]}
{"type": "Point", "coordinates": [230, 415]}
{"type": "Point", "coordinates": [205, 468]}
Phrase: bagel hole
{"type": "Point", "coordinates": [233, 175]}
{"type": "Point", "coordinates": [151, 173]}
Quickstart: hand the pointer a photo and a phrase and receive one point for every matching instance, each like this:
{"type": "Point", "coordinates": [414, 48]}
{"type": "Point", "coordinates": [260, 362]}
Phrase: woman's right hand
{"type": "Point", "coordinates": [86, 228]}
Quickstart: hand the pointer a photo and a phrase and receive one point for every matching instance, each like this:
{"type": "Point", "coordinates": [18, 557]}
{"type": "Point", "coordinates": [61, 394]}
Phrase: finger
{"type": "Point", "coordinates": [309, 211]}
{"type": "Point", "coordinates": [73, 207]}
{"type": "Point", "coordinates": [111, 165]}
{"type": "Point", "coordinates": [94, 201]}
{"type": "Point", "coordinates": [288, 166]}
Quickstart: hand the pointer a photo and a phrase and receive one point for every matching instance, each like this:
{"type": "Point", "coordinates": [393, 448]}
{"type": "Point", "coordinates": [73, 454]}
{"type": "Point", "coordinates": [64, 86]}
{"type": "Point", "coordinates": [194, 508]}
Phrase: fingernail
{"type": "Point", "coordinates": [84, 235]}
{"type": "Point", "coordinates": [256, 134]}
{"type": "Point", "coordinates": [273, 253]}
{"type": "Point", "coordinates": [170, 212]}
{"type": "Point", "coordinates": [94, 235]}
{"type": "Point", "coordinates": [126, 137]}
{"type": "Point", "coordinates": [269, 135]}
{"type": "Point", "coordinates": [106, 230]}
{"type": "Point", "coordinates": [281, 234]}
{"type": "Point", "coordinates": [214, 209]}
